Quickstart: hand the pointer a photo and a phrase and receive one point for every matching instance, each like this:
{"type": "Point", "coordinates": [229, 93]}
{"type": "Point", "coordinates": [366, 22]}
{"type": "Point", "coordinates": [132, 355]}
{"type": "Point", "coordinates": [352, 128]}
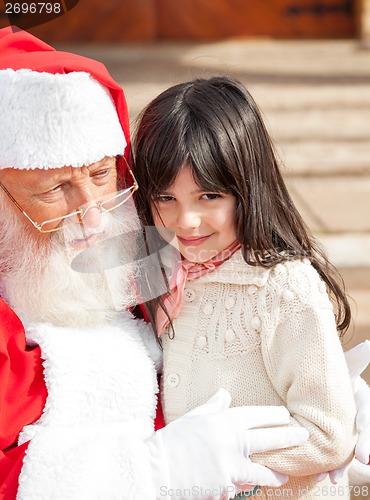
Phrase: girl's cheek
{"type": "Point", "coordinates": [168, 235]}
{"type": "Point", "coordinates": [161, 223]}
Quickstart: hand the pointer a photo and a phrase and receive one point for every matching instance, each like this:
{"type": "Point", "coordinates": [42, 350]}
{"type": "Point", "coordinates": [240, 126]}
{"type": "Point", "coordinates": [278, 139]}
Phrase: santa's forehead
{"type": "Point", "coordinates": [36, 176]}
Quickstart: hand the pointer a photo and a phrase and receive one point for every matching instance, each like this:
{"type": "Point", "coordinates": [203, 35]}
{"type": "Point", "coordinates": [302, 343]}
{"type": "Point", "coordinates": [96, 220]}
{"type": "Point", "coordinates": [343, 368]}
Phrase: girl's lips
{"type": "Point", "coordinates": [193, 241]}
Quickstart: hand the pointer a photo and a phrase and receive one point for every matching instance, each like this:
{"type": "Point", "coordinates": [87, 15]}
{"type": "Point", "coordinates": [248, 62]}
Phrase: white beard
{"type": "Point", "coordinates": [38, 282]}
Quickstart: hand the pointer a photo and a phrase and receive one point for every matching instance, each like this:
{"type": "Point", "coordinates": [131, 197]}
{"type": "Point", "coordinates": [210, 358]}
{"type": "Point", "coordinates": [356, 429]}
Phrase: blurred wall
{"type": "Point", "coordinates": [150, 20]}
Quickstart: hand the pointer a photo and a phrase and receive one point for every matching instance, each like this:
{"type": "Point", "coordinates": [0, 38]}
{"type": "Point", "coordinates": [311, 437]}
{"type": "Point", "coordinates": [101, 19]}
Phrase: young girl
{"type": "Point", "coordinates": [249, 307]}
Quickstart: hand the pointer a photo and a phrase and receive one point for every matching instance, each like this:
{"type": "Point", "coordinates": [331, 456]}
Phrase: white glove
{"type": "Point", "coordinates": [360, 355]}
{"type": "Point", "coordinates": [357, 360]}
{"type": "Point", "coordinates": [206, 452]}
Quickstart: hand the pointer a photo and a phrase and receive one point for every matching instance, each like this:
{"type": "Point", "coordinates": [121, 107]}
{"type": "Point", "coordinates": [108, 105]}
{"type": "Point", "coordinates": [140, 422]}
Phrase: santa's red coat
{"type": "Point", "coordinates": [22, 396]}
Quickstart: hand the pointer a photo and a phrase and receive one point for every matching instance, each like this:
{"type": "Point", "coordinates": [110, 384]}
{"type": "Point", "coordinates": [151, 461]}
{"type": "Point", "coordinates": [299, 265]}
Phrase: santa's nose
{"type": "Point", "coordinates": [92, 217]}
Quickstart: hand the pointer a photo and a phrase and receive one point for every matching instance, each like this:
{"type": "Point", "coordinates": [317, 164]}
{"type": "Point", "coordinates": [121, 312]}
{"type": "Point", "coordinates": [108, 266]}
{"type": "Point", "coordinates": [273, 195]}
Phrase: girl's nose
{"type": "Point", "coordinates": [188, 219]}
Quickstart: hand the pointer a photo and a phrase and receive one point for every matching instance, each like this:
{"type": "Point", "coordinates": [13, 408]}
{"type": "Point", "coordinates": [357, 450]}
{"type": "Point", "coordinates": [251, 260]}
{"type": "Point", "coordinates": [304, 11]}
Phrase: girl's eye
{"type": "Point", "coordinates": [212, 196]}
{"type": "Point", "coordinates": [164, 198]}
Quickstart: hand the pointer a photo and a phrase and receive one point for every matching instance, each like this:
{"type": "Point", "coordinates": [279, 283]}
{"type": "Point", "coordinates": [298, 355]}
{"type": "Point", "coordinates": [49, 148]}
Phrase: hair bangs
{"type": "Point", "coordinates": [165, 171]}
{"type": "Point", "coordinates": [207, 160]}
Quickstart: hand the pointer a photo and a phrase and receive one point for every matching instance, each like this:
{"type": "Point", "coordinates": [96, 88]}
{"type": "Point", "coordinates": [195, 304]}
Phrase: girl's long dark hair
{"type": "Point", "coordinates": [215, 126]}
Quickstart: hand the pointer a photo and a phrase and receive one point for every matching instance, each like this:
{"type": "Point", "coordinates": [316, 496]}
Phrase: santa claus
{"type": "Point", "coordinates": [77, 371]}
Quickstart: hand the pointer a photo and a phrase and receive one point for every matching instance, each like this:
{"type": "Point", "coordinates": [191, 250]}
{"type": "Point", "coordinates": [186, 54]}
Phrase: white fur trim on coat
{"type": "Point", "coordinates": [90, 442]}
{"type": "Point", "coordinates": [56, 120]}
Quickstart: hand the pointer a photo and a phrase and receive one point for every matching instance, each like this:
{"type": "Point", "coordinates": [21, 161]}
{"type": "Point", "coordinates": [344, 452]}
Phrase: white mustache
{"type": "Point", "coordinates": [78, 231]}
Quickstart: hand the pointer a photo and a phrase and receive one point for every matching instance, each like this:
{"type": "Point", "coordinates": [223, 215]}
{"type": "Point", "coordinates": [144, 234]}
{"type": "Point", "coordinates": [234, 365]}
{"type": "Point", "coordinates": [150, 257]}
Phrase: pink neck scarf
{"type": "Point", "coordinates": [188, 271]}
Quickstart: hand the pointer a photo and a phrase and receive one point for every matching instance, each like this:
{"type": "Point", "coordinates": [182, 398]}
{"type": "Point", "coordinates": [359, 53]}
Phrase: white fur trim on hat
{"type": "Point", "coordinates": [52, 121]}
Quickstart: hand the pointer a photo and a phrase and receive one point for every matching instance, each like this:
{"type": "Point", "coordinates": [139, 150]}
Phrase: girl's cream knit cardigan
{"type": "Point", "coordinates": [269, 337]}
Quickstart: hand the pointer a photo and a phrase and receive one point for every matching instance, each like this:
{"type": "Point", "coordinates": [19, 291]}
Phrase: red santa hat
{"type": "Point", "coordinates": [57, 108]}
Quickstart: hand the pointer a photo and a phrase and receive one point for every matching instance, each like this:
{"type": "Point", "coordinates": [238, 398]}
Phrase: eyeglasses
{"type": "Point", "coordinates": [104, 204]}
